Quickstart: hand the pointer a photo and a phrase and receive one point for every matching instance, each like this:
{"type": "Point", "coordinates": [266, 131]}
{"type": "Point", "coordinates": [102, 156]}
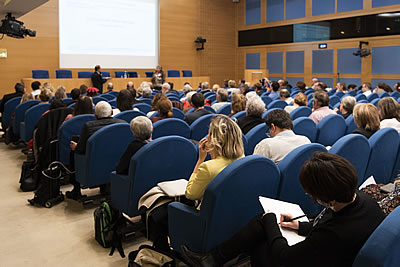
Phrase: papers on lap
{"type": "Point", "coordinates": [367, 182]}
{"type": "Point", "coordinates": [281, 207]}
{"type": "Point", "coordinates": [174, 188]}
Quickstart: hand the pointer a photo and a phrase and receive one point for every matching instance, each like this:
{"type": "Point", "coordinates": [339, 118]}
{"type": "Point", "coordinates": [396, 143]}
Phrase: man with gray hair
{"type": "Point", "coordinates": [255, 108]}
{"type": "Point", "coordinates": [205, 87]}
{"type": "Point", "coordinates": [147, 92]}
{"type": "Point", "coordinates": [142, 130]}
{"type": "Point", "coordinates": [165, 88]}
{"type": "Point", "coordinates": [347, 106]}
{"type": "Point", "coordinates": [103, 114]}
{"type": "Point", "coordinates": [222, 99]}
{"type": "Point", "coordinates": [284, 95]}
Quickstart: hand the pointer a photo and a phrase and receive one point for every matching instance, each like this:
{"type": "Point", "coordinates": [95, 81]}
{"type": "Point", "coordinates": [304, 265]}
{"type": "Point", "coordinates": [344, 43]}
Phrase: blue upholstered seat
{"type": "Point", "coordinates": [372, 97]}
{"type": "Point", "coordinates": [174, 73]}
{"type": "Point", "coordinates": [97, 99]}
{"type": "Point", "coordinates": [396, 168]}
{"type": "Point", "coordinates": [108, 96]}
{"type": "Point", "coordinates": [361, 97]}
{"type": "Point", "coordinates": [375, 101]}
{"type": "Point", "coordinates": [114, 93]}
{"type": "Point", "coordinates": [40, 74]}
{"type": "Point", "coordinates": [229, 203]}
{"type": "Point", "coordinates": [254, 136]}
{"type": "Point", "coordinates": [84, 74]}
{"type": "Point", "coordinates": [355, 148]}
{"type": "Point", "coordinates": [20, 114]}
{"type": "Point", "coordinates": [9, 108]}
{"type": "Point", "coordinates": [171, 126]}
{"type": "Point", "coordinates": [63, 74]}
{"type": "Point", "coordinates": [147, 101]}
{"type": "Point", "coordinates": [225, 109]}
{"type": "Point", "coordinates": [129, 115]}
{"type": "Point", "coordinates": [266, 113]}
{"type": "Point", "coordinates": [187, 73]}
{"type": "Point", "coordinates": [94, 167]}
{"type": "Point", "coordinates": [279, 103]}
{"type": "Point", "coordinates": [300, 112]}
{"type": "Point", "coordinates": [350, 124]}
{"type": "Point", "coordinates": [330, 129]}
{"type": "Point", "coordinates": [145, 108]}
{"type": "Point", "coordinates": [384, 94]}
{"type": "Point", "coordinates": [32, 116]}
{"type": "Point", "coordinates": [240, 114]}
{"type": "Point", "coordinates": [149, 74]}
{"type": "Point", "coordinates": [305, 126]}
{"type": "Point", "coordinates": [113, 103]}
{"type": "Point", "coordinates": [199, 128]}
{"type": "Point", "coordinates": [290, 188]}
{"type": "Point", "coordinates": [167, 158]}
{"type": "Point", "coordinates": [267, 100]}
{"type": "Point", "coordinates": [333, 100]}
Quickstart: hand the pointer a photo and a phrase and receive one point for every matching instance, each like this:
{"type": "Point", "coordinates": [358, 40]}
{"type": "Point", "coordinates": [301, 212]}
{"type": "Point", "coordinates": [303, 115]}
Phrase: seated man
{"type": "Point", "coordinates": [255, 108]}
{"type": "Point", "coordinates": [285, 96]}
{"type": "Point", "coordinates": [197, 101]}
{"type": "Point", "coordinates": [283, 138]}
{"type": "Point", "coordinates": [321, 106]}
{"type": "Point", "coordinates": [103, 114]}
{"type": "Point", "coordinates": [275, 91]}
{"type": "Point", "coordinates": [19, 91]}
{"type": "Point", "coordinates": [222, 99]}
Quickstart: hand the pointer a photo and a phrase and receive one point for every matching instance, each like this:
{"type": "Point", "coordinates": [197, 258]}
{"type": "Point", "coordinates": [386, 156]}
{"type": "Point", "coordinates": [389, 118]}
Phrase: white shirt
{"type": "Point", "coordinates": [277, 147]}
{"type": "Point", "coordinates": [391, 123]}
{"type": "Point", "coordinates": [367, 93]}
{"type": "Point", "coordinates": [289, 109]}
{"type": "Point", "coordinates": [289, 100]}
{"type": "Point", "coordinates": [219, 105]}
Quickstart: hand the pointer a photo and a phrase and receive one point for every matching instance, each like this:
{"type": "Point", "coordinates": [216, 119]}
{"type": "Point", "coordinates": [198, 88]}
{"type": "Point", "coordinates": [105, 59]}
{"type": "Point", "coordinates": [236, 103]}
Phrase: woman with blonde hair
{"type": "Point", "coordinates": [238, 103]}
{"type": "Point", "coordinates": [26, 96]}
{"type": "Point", "coordinates": [300, 100]}
{"type": "Point", "coordinates": [389, 113]}
{"type": "Point", "coordinates": [366, 117]}
{"type": "Point", "coordinates": [60, 93]}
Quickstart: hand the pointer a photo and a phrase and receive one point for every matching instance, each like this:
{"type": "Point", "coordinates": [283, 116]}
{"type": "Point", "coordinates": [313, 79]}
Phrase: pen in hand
{"type": "Point", "coordinates": [295, 218]}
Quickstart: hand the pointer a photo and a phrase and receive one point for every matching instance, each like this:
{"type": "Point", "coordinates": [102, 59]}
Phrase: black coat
{"type": "Point", "coordinates": [98, 81]}
{"type": "Point", "coordinates": [8, 97]}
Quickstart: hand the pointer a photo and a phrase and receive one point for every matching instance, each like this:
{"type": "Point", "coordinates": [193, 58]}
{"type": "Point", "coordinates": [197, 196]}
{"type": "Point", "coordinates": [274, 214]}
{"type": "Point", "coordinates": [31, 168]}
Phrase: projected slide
{"type": "Point", "coordinates": [114, 34]}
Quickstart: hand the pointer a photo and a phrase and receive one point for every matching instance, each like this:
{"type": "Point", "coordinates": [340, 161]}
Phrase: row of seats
{"type": "Point", "coordinates": [67, 74]}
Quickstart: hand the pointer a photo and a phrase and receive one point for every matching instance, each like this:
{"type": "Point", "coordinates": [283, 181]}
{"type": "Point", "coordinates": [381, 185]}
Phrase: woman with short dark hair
{"type": "Point", "coordinates": [124, 101]}
{"type": "Point", "coordinates": [83, 105]}
{"type": "Point", "coordinates": [333, 239]}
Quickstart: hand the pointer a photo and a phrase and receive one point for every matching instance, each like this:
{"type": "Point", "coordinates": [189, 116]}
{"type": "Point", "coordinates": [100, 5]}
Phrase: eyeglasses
{"type": "Point", "coordinates": [268, 134]}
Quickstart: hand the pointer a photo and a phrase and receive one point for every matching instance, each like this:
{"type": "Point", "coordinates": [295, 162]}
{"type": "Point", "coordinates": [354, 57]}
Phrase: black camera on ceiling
{"type": "Point", "coordinates": [15, 28]}
{"type": "Point", "coordinates": [362, 52]}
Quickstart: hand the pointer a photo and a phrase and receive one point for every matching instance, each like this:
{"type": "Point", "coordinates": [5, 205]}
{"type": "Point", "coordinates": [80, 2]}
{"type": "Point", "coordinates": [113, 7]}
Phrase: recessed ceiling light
{"type": "Point", "coordinates": [342, 32]}
{"type": "Point", "coordinates": [388, 28]}
{"type": "Point", "coordinates": [389, 15]}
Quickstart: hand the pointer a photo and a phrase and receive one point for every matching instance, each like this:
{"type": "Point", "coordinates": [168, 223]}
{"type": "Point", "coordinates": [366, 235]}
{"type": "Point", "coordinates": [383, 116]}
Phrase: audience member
{"type": "Point", "coordinates": [97, 79]}
{"type": "Point", "coordinates": [301, 85]}
{"type": "Point", "coordinates": [147, 93]}
{"type": "Point", "coordinates": [215, 87]}
{"type": "Point", "coordinates": [197, 102]}
{"type": "Point", "coordinates": [251, 95]}
{"type": "Point", "coordinates": [283, 84]}
{"type": "Point", "coordinates": [396, 87]}
{"type": "Point", "coordinates": [258, 89]}
{"type": "Point", "coordinates": [55, 103]}
{"type": "Point", "coordinates": [36, 86]}
{"type": "Point", "coordinates": [275, 91]}
{"type": "Point", "coordinates": [164, 109]}
{"type": "Point", "coordinates": [347, 106]}
{"type": "Point", "coordinates": [383, 87]}
{"type": "Point", "coordinates": [314, 82]}
{"type": "Point", "coordinates": [187, 105]}
{"type": "Point", "coordinates": [231, 85]}
{"type": "Point", "coordinates": [366, 117]}
{"type": "Point", "coordinates": [320, 86]}
{"type": "Point", "coordinates": [300, 100]}
{"type": "Point", "coordinates": [84, 105]}
{"type": "Point", "coordinates": [165, 88]}
{"type": "Point", "coordinates": [142, 130]}
{"type": "Point", "coordinates": [238, 103]}
{"type": "Point", "coordinates": [45, 96]}
{"type": "Point", "coordinates": [244, 89]}
{"type": "Point", "coordinates": [60, 93]}
{"type": "Point", "coordinates": [130, 85]}
{"type": "Point", "coordinates": [110, 87]}
{"type": "Point", "coordinates": [321, 106]}
{"type": "Point", "coordinates": [92, 91]}
{"type": "Point", "coordinates": [26, 96]}
{"type": "Point", "coordinates": [389, 113]}
{"type": "Point", "coordinates": [158, 78]}
{"type": "Point", "coordinates": [283, 138]}
{"type": "Point", "coordinates": [19, 91]}
{"type": "Point", "coordinates": [134, 95]}
{"type": "Point", "coordinates": [332, 182]}
{"type": "Point", "coordinates": [75, 94]}
{"type": "Point", "coordinates": [255, 108]}
{"type": "Point", "coordinates": [226, 84]}
{"type": "Point", "coordinates": [284, 95]}
{"type": "Point", "coordinates": [154, 104]}
{"type": "Point", "coordinates": [48, 86]}
{"type": "Point", "coordinates": [341, 87]}
{"type": "Point", "coordinates": [124, 101]}
{"type": "Point", "coordinates": [103, 114]}
{"type": "Point", "coordinates": [222, 99]}
{"type": "Point", "coordinates": [83, 88]}
{"type": "Point", "coordinates": [352, 87]}
{"type": "Point", "coordinates": [205, 87]}
{"type": "Point", "coordinates": [367, 89]}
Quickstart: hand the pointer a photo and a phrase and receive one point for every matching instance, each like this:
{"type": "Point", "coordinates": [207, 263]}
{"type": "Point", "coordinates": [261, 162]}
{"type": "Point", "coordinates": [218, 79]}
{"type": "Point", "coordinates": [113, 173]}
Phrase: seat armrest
{"type": "Point", "coordinates": [120, 189]}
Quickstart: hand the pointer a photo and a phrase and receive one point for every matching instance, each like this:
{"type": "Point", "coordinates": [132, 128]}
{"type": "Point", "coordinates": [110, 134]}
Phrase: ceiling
{"type": "Point", "coordinates": [18, 7]}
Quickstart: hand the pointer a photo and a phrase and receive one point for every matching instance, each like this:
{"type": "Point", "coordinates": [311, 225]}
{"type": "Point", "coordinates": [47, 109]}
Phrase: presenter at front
{"type": "Point", "coordinates": [97, 79]}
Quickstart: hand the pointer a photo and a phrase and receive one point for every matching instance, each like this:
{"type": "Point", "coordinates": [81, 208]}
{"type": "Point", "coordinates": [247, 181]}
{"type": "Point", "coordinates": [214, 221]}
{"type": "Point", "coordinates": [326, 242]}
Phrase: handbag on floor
{"type": "Point", "coordinates": [29, 179]}
{"type": "Point", "coordinates": [147, 256]}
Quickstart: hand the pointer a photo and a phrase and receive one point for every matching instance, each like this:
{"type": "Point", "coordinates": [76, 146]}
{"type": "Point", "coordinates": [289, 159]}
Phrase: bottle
{"type": "Point", "coordinates": [125, 75]}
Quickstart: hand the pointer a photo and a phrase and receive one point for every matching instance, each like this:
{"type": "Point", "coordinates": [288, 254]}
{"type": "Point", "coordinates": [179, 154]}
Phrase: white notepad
{"type": "Point", "coordinates": [174, 188]}
{"type": "Point", "coordinates": [278, 207]}
{"type": "Point", "coordinates": [367, 182]}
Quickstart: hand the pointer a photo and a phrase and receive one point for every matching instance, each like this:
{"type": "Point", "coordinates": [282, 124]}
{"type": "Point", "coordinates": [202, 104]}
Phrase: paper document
{"type": "Point", "coordinates": [278, 207]}
{"type": "Point", "coordinates": [367, 182]}
{"type": "Point", "coordinates": [174, 188]}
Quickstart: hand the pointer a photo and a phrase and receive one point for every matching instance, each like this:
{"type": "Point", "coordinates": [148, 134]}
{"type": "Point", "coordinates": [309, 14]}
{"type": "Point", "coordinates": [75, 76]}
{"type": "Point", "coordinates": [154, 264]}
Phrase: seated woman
{"type": "Point", "coordinates": [142, 129]}
{"type": "Point", "coordinates": [389, 113]}
{"type": "Point", "coordinates": [26, 96]}
{"type": "Point", "coordinates": [84, 105]}
{"type": "Point", "coordinates": [92, 91]}
{"type": "Point", "coordinates": [238, 103]}
{"type": "Point", "coordinates": [341, 87]}
{"type": "Point", "coordinates": [347, 106]}
{"type": "Point", "coordinates": [255, 108]}
{"type": "Point", "coordinates": [45, 96]}
{"type": "Point", "coordinates": [333, 239]}
{"type": "Point", "coordinates": [60, 93]}
{"type": "Point", "coordinates": [300, 100]}
{"type": "Point", "coordinates": [124, 102]}
{"type": "Point", "coordinates": [164, 109]}
{"type": "Point", "coordinates": [366, 118]}
{"type": "Point", "coordinates": [154, 104]}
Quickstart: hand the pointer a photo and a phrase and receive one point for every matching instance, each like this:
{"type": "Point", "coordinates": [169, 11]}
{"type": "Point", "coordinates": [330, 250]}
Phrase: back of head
{"type": "Point", "coordinates": [130, 85]}
{"type": "Point", "coordinates": [301, 85]}
{"type": "Point", "coordinates": [204, 86]}
{"type": "Point", "coordinates": [141, 128]}
{"type": "Point", "coordinates": [197, 100]}
{"type": "Point", "coordinates": [366, 117]}
{"type": "Point", "coordinates": [257, 86]}
{"type": "Point", "coordinates": [84, 105]}
{"type": "Point", "coordinates": [166, 87]}
{"type": "Point", "coordinates": [56, 103]}
{"type": "Point", "coordinates": [215, 87]}
{"type": "Point", "coordinates": [280, 119]}
{"type": "Point", "coordinates": [232, 84]}
{"type": "Point", "coordinates": [255, 107]}
{"type": "Point", "coordinates": [45, 95]}
{"type": "Point", "coordinates": [284, 93]}
{"type": "Point", "coordinates": [348, 103]}
{"type": "Point", "coordinates": [27, 96]}
{"type": "Point", "coordinates": [225, 138]}
{"type": "Point", "coordinates": [251, 95]}
{"type": "Point", "coordinates": [301, 99]}
{"type": "Point", "coordinates": [388, 108]}
{"type": "Point", "coordinates": [19, 88]}
{"type": "Point", "coordinates": [75, 93]}
{"type": "Point", "coordinates": [186, 89]}
{"type": "Point", "coordinates": [238, 102]}
{"type": "Point", "coordinates": [139, 91]}
{"type": "Point", "coordinates": [103, 110]}
{"type": "Point", "coordinates": [351, 87]}
{"type": "Point", "coordinates": [35, 85]}
{"type": "Point", "coordinates": [165, 107]}
{"type": "Point", "coordinates": [275, 86]}
{"type": "Point", "coordinates": [328, 177]}
{"type": "Point", "coordinates": [223, 94]}
{"type": "Point", "coordinates": [322, 98]}
{"type": "Point", "coordinates": [244, 89]}
{"type": "Point", "coordinates": [124, 100]}
{"type": "Point", "coordinates": [133, 92]}
{"type": "Point", "coordinates": [189, 96]}
{"type": "Point", "coordinates": [284, 83]}
{"type": "Point", "coordinates": [97, 68]}
{"type": "Point", "coordinates": [60, 93]}
{"type": "Point", "coordinates": [154, 103]}
{"type": "Point", "coordinates": [83, 88]}
{"type": "Point", "coordinates": [147, 92]}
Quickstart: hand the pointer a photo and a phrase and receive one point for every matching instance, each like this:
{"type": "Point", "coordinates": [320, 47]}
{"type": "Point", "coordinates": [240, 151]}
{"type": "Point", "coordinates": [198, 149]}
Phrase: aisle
{"type": "Point", "coordinates": [32, 236]}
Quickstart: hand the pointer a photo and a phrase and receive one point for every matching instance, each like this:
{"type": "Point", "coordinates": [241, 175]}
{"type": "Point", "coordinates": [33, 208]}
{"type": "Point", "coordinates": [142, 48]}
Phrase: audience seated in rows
{"type": "Point", "coordinates": [346, 106]}
{"type": "Point", "coordinates": [300, 100]}
{"type": "Point", "coordinates": [383, 87]}
{"type": "Point", "coordinates": [283, 138]}
{"type": "Point", "coordinates": [285, 96]}
{"type": "Point", "coordinates": [341, 227]}
{"type": "Point", "coordinates": [19, 91]}
{"type": "Point", "coordinates": [197, 101]}
{"type": "Point", "coordinates": [124, 101]}
{"type": "Point", "coordinates": [84, 105]}
{"type": "Point", "coordinates": [222, 99]}
{"type": "Point", "coordinates": [255, 108]}
{"type": "Point", "coordinates": [366, 117]}
{"type": "Point", "coordinates": [321, 106]}
{"type": "Point", "coordinates": [238, 103]}
{"type": "Point", "coordinates": [103, 114]}
{"type": "Point", "coordinates": [389, 113]}
{"type": "Point", "coordinates": [142, 129]}
{"type": "Point", "coordinates": [164, 109]}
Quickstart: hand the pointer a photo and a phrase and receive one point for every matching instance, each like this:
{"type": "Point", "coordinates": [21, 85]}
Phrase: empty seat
{"type": "Point", "coordinates": [171, 126]}
{"type": "Point", "coordinates": [350, 124]}
{"type": "Point", "coordinates": [84, 74]}
{"type": "Point", "coordinates": [120, 74]}
{"type": "Point", "coordinates": [226, 109]}
{"type": "Point", "coordinates": [149, 74]}
{"type": "Point", "coordinates": [32, 116]}
{"type": "Point", "coordinates": [105, 74]}
{"type": "Point", "coordinates": [174, 73]}
{"type": "Point", "coordinates": [355, 148]}
{"type": "Point", "coordinates": [20, 114]}
{"type": "Point", "coordinates": [305, 126]}
{"type": "Point", "coordinates": [187, 73]}
{"type": "Point", "coordinates": [361, 97]}
{"type": "Point", "coordinates": [129, 115]}
{"type": "Point", "coordinates": [254, 136]}
{"type": "Point", "coordinates": [279, 103]}
{"type": "Point", "coordinates": [178, 114]}
{"type": "Point", "coordinates": [238, 187]}
{"type": "Point", "coordinates": [300, 112]}
{"type": "Point", "coordinates": [63, 74]}
{"type": "Point", "coordinates": [40, 74]}
{"type": "Point", "coordinates": [145, 108]}
{"type": "Point", "coordinates": [132, 74]}
{"type": "Point", "coordinates": [9, 108]}
{"type": "Point", "coordinates": [108, 96]}
{"type": "Point", "coordinates": [330, 129]}
{"type": "Point", "coordinates": [199, 128]}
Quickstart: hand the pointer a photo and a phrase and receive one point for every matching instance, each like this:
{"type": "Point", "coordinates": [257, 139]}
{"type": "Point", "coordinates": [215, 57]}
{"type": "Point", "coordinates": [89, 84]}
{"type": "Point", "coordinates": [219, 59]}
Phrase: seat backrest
{"type": "Point", "coordinates": [113, 103]}
{"type": "Point", "coordinates": [32, 116]}
{"type": "Point", "coordinates": [375, 101]}
{"type": "Point", "coordinates": [290, 189]}
{"type": "Point", "coordinates": [333, 100]}
{"type": "Point", "coordinates": [187, 73]}
{"type": "Point", "coordinates": [171, 126]}
{"type": "Point", "coordinates": [145, 108]}
{"type": "Point", "coordinates": [63, 74]}
{"type": "Point", "coordinates": [267, 100]}
{"type": "Point", "coordinates": [174, 73]}
{"type": "Point", "coordinates": [40, 74]}
{"type": "Point", "coordinates": [84, 74]}
{"type": "Point", "coordinates": [211, 109]}
{"type": "Point", "coordinates": [265, 114]}
{"type": "Point", "coordinates": [382, 247]}
{"type": "Point", "coordinates": [132, 74]}
{"type": "Point", "coordinates": [120, 74]}
{"type": "Point", "coordinates": [9, 108]}
{"type": "Point", "coordinates": [128, 115]}
{"type": "Point", "coordinates": [97, 99]}
{"type": "Point", "coordinates": [105, 74]}
{"type": "Point", "coordinates": [165, 159]}
{"type": "Point", "coordinates": [108, 96]}
{"type": "Point", "coordinates": [355, 148]}
{"type": "Point", "coordinates": [305, 126]}
{"type": "Point", "coordinates": [350, 124]}
{"type": "Point", "coordinates": [114, 93]}
{"type": "Point", "coordinates": [68, 129]}
{"type": "Point", "coordinates": [173, 98]}
{"type": "Point", "coordinates": [238, 187]}
{"type": "Point", "coordinates": [279, 103]}
{"type": "Point", "coordinates": [239, 115]}
{"type": "Point", "coordinates": [199, 128]}
{"type": "Point", "coordinates": [361, 97]}
{"type": "Point", "coordinates": [225, 109]}
{"type": "Point", "coordinates": [147, 101]}
{"type": "Point", "coordinates": [384, 145]}
{"type": "Point", "coordinates": [300, 112]}
{"type": "Point", "coordinates": [112, 138]}
{"type": "Point", "coordinates": [255, 135]}
{"type": "Point", "coordinates": [395, 94]}
{"type": "Point", "coordinates": [396, 169]}
{"type": "Point", "coordinates": [384, 94]}
{"type": "Point", "coordinates": [372, 97]}
{"type": "Point", "coordinates": [330, 129]}
{"type": "Point", "coordinates": [20, 113]}
{"type": "Point", "coordinates": [178, 114]}
{"type": "Point", "coordinates": [149, 74]}
{"type": "Point", "coordinates": [207, 94]}
{"type": "Point", "coordinates": [339, 94]}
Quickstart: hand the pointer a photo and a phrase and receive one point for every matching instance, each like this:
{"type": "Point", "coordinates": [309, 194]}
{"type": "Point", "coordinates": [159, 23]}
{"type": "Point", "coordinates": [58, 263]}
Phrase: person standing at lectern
{"type": "Point", "coordinates": [97, 79]}
{"type": "Point", "coordinates": [158, 78]}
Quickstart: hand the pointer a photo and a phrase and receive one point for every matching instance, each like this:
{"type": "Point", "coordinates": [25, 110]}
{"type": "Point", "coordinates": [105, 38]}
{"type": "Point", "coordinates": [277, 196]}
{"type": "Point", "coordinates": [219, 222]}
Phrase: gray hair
{"type": "Point", "coordinates": [255, 107]}
{"type": "Point", "coordinates": [166, 86]}
{"type": "Point", "coordinates": [204, 86]}
{"type": "Point", "coordinates": [348, 103]}
{"type": "Point", "coordinates": [251, 95]}
{"type": "Point", "coordinates": [141, 128]}
{"type": "Point", "coordinates": [187, 88]}
{"type": "Point", "coordinates": [189, 96]}
{"type": "Point", "coordinates": [223, 94]}
{"type": "Point", "coordinates": [147, 92]}
{"type": "Point", "coordinates": [103, 110]}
